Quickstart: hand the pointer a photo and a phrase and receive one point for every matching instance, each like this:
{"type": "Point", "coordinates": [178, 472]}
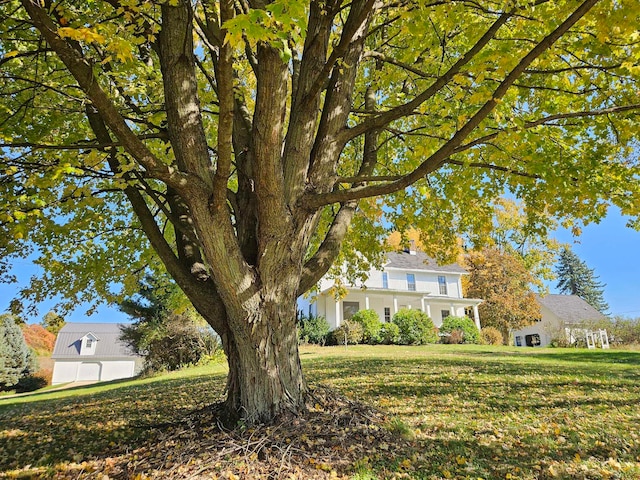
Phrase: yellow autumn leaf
{"type": "Point", "coordinates": [83, 34]}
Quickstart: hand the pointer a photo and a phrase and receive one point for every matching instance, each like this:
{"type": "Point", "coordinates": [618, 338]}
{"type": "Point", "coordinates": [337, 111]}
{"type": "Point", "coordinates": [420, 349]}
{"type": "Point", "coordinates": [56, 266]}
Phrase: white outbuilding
{"type": "Point", "coordinates": [92, 352]}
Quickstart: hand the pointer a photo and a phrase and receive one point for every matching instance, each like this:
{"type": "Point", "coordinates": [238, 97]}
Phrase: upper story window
{"type": "Point", "coordinates": [88, 344]}
{"type": "Point", "coordinates": [385, 280]}
{"type": "Point", "coordinates": [411, 282]}
{"type": "Point", "coordinates": [442, 284]}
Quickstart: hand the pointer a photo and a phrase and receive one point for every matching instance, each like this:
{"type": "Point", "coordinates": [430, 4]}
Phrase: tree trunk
{"type": "Point", "coordinates": [265, 380]}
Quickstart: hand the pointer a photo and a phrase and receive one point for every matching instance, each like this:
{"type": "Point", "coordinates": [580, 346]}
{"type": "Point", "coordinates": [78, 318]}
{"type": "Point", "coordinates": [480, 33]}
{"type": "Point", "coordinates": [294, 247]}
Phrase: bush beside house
{"type": "Point", "coordinates": [313, 329]}
{"type": "Point", "coordinates": [459, 330]}
{"type": "Point", "coordinates": [349, 333]}
{"type": "Point", "coordinates": [491, 336]}
{"type": "Point", "coordinates": [416, 328]}
{"type": "Point", "coordinates": [371, 324]}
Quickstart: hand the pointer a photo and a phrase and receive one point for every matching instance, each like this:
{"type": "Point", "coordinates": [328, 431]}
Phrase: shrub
{"type": "Point", "coordinates": [491, 336]}
{"type": "Point", "coordinates": [454, 337]}
{"type": "Point", "coordinates": [371, 325]}
{"type": "Point", "coordinates": [30, 383]}
{"type": "Point", "coordinates": [313, 329]}
{"type": "Point", "coordinates": [175, 342]}
{"type": "Point", "coordinates": [416, 328]}
{"type": "Point", "coordinates": [349, 333]}
{"type": "Point", "coordinates": [469, 331]}
{"type": "Point", "coordinates": [389, 334]}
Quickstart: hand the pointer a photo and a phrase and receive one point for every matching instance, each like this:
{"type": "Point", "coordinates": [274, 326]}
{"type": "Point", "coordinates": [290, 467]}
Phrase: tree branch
{"type": "Point", "coordinates": [406, 109]}
{"type": "Point", "coordinates": [83, 72]}
{"type": "Point", "coordinates": [443, 153]}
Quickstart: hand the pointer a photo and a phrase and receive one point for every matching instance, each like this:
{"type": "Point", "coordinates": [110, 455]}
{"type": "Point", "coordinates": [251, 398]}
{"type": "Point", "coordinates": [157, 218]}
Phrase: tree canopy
{"type": "Point", "coordinates": [576, 278]}
{"type": "Point", "coordinates": [243, 145]}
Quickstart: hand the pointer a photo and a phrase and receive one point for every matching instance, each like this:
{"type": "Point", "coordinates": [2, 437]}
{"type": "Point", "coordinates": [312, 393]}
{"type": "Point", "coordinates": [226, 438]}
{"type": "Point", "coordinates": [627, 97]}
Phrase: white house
{"type": "Point", "coordinates": [409, 279]}
{"type": "Point", "coordinates": [92, 352]}
{"type": "Point", "coordinates": [561, 315]}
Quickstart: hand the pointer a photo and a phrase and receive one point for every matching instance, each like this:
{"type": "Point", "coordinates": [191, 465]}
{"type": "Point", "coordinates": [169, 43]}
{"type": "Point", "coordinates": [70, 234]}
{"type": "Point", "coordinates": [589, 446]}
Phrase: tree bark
{"type": "Point", "coordinates": [265, 380]}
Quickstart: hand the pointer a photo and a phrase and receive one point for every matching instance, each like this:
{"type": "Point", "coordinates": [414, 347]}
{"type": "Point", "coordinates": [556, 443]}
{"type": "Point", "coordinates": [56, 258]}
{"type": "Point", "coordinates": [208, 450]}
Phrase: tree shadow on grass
{"type": "Point", "coordinates": [468, 407]}
{"type": "Point", "coordinates": [108, 422]}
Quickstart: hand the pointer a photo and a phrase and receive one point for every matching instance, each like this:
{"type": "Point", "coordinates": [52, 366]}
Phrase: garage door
{"type": "Point", "coordinates": [89, 371]}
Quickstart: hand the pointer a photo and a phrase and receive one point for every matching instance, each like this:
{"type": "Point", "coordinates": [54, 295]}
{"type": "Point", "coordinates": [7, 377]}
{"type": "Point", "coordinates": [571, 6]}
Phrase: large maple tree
{"type": "Point", "coordinates": [235, 143]}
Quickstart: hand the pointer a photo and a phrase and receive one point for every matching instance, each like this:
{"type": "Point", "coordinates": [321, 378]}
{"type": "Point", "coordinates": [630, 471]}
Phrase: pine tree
{"type": "Point", "coordinates": [16, 360]}
{"type": "Point", "coordinates": [575, 278]}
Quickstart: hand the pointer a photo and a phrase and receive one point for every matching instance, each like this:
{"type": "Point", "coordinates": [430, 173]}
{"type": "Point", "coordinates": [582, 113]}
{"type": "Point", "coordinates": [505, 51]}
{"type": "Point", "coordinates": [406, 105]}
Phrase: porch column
{"type": "Point", "coordinates": [422, 303]}
{"type": "Point", "coordinates": [395, 304]}
{"type": "Point", "coordinates": [338, 316]}
{"type": "Point", "coordinates": [366, 302]}
{"type": "Point", "coordinates": [476, 317]}
{"type": "Point", "coordinates": [429, 310]}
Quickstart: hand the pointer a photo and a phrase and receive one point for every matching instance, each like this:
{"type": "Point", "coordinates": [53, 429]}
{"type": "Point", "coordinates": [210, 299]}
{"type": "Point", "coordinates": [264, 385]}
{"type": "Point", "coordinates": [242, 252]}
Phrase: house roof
{"type": "Point", "coordinates": [570, 308]}
{"type": "Point", "coordinates": [419, 261]}
{"type": "Point", "coordinates": [108, 345]}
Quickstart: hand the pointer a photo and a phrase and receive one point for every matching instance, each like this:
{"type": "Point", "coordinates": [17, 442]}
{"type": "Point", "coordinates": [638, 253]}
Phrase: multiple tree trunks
{"type": "Point", "coordinates": [270, 138]}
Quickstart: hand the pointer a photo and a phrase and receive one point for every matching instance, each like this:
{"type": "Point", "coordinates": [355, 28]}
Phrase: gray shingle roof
{"type": "Point", "coordinates": [108, 345]}
{"type": "Point", "coordinates": [419, 261]}
{"type": "Point", "coordinates": [570, 308]}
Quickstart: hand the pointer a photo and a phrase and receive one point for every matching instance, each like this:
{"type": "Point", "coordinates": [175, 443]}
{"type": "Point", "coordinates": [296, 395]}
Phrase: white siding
{"type": "Point", "coordinates": [118, 369]}
{"type": "Point", "coordinates": [64, 372]}
{"type": "Point", "coordinates": [547, 328]}
{"type": "Point", "coordinates": [89, 371]}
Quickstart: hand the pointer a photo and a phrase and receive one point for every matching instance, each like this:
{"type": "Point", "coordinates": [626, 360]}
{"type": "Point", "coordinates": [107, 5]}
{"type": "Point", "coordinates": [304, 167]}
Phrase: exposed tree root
{"type": "Point", "coordinates": [333, 439]}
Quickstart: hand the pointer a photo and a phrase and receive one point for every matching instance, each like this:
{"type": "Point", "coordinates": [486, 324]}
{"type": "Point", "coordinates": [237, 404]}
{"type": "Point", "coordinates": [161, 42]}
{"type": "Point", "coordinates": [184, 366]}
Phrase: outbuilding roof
{"type": "Point", "coordinates": [570, 308]}
{"type": "Point", "coordinates": [419, 261]}
{"type": "Point", "coordinates": [108, 343]}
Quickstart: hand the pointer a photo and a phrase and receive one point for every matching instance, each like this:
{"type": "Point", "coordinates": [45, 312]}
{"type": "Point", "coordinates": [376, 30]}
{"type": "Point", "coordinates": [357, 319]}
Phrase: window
{"type": "Point", "coordinates": [518, 341]}
{"type": "Point", "coordinates": [385, 280]}
{"type": "Point", "coordinates": [442, 283]}
{"type": "Point", "coordinates": [349, 309]}
{"type": "Point", "coordinates": [88, 342]}
{"type": "Point", "coordinates": [411, 282]}
{"type": "Point", "coordinates": [387, 314]}
{"type": "Point", "coordinates": [445, 313]}
{"type": "Point", "coordinates": [532, 340]}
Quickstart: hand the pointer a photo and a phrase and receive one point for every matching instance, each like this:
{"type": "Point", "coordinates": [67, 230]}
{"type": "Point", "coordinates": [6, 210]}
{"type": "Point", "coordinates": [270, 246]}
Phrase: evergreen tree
{"type": "Point", "coordinates": [16, 360]}
{"type": "Point", "coordinates": [575, 278]}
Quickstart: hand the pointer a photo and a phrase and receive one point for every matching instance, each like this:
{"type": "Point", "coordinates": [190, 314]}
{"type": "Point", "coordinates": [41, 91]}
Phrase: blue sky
{"type": "Point", "coordinates": [610, 248]}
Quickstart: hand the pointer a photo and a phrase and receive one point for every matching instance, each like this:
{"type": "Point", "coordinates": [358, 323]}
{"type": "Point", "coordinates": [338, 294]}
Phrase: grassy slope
{"type": "Point", "coordinates": [474, 412]}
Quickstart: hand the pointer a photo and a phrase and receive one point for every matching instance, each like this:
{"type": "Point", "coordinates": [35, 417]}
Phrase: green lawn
{"type": "Point", "coordinates": [470, 412]}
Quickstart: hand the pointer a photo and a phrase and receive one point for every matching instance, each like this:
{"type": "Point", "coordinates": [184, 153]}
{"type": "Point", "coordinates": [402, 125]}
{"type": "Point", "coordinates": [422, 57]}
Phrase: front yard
{"type": "Point", "coordinates": [468, 412]}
